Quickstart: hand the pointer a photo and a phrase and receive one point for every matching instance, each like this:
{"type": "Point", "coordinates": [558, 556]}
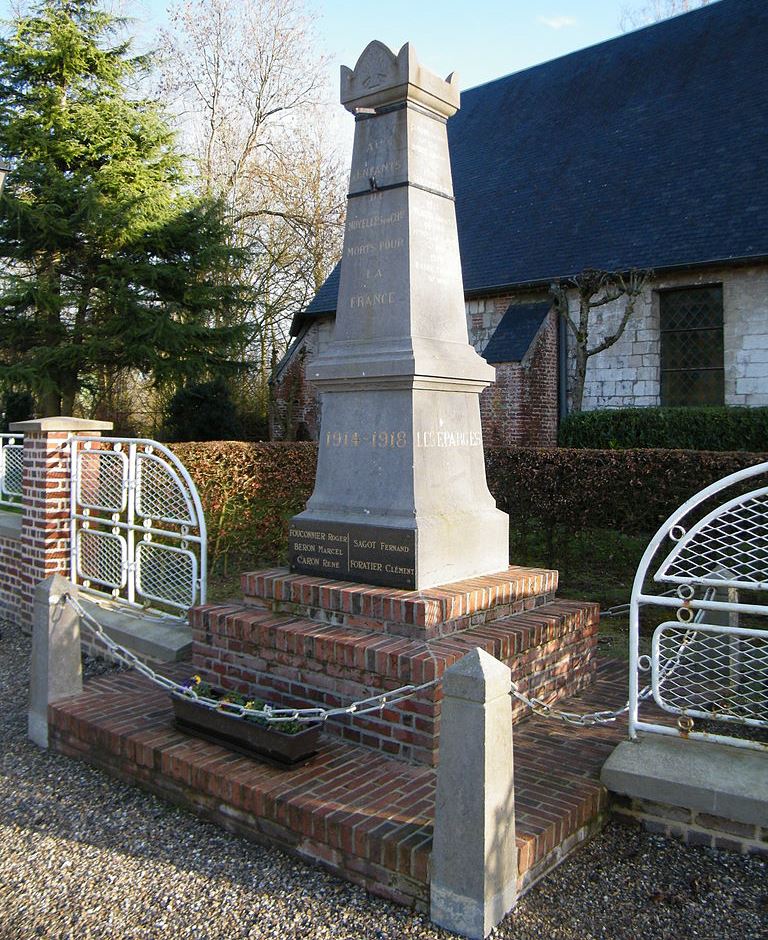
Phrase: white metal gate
{"type": "Point", "coordinates": [709, 665]}
{"type": "Point", "coordinates": [137, 524]}
{"type": "Point", "coordinates": [11, 467]}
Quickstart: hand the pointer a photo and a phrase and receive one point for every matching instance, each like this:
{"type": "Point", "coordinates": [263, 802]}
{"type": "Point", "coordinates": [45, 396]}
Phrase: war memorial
{"type": "Point", "coordinates": [432, 759]}
{"type": "Point", "coordinates": [399, 579]}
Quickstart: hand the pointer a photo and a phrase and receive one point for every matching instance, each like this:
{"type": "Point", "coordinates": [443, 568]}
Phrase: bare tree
{"type": "Point", "coordinates": [250, 91]}
{"type": "Point", "coordinates": [652, 11]}
{"type": "Point", "coordinates": [595, 289]}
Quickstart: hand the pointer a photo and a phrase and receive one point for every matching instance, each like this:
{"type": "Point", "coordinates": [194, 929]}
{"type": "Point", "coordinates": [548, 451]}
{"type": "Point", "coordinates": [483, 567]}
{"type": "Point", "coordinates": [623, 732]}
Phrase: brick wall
{"type": "Point", "coordinates": [45, 520]}
{"type": "Point", "coordinates": [297, 663]}
{"type": "Point", "coordinates": [294, 412]}
{"type": "Point", "coordinates": [39, 545]}
{"type": "Point", "coordinates": [10, 566]}
{"type": "Point", "coordinates": [520, 409]}
{"type": "Point", "coordinates": [692, 826]}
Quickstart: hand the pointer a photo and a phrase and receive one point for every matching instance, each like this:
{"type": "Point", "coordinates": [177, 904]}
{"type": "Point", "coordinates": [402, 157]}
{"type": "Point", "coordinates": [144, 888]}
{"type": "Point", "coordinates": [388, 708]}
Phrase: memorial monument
{"type": "Point", "coordinates": [401, 498]}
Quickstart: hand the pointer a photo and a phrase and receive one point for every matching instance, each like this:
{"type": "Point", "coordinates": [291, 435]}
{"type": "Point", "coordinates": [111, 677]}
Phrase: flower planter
{"type": "Point", "coordinates": [264, 742]}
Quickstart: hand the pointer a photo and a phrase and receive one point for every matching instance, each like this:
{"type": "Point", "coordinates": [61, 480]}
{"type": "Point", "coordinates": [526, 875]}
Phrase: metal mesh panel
{"type": "Point", "coordinates": [102, 479]}
{"type": "Point", "coordinates": [711, 672]}
{"type": "Point", "coordinates": [735, 539]}
{"type": "Point", "coordinates": [166, 574]}
{"type": "Point", "coordinates": [160, 494]}
{"type": "Point", "coordinates": [13, 455]}
{"type": "Point", "coordinates": [101, 557]}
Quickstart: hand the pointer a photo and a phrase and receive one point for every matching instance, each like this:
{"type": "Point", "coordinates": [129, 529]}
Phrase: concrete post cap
{"type": "Point", "coordinates": [381, 78]}
{"type": "Point", "coordinates": [60, 423]}
{"type": "Point", "coordinates": [477, 677]}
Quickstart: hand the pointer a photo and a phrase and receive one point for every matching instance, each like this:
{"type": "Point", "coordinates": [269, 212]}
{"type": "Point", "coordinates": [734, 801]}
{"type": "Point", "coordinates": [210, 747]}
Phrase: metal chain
{"type": "Point", "coordinates": [363, 706]}
{"type": "Point", "coordinates": [267, 713]}
{"type": "Point", "coordinates": [545, 710]}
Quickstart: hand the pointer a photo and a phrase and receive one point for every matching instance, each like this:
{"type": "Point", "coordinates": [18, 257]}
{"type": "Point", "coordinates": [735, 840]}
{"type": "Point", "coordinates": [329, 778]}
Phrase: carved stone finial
{"type": "Point", "coordinates": [381, 78]}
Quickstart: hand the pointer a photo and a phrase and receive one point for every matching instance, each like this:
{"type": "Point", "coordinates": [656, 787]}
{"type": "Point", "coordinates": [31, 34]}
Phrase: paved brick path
{"type": "Point", "coordinates": [364, 815]}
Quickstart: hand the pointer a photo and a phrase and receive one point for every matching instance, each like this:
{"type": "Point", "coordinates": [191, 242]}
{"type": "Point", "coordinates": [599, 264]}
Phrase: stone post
{"type": "Point", "coordinates": [55, 669]}
{"type": "Point", "coordinates": [45, 526]}
{"type": "Point", "coordinates": [474, 857]}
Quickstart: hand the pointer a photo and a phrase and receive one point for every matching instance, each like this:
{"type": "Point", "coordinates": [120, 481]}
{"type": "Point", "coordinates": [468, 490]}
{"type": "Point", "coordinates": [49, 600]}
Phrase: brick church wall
{"type": "Point", "coordinates": [295, 407]}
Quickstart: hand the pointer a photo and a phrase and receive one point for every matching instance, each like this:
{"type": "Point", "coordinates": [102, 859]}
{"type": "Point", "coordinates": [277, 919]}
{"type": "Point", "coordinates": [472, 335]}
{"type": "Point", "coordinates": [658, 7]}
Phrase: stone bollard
{"type": "Point", "coordinates": [55, 669]}
{"type": "Point", "coordinates": [474, 857]}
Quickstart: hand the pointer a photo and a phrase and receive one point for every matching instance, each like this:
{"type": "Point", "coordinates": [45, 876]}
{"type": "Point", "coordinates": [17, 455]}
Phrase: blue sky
{"type": "Point", "coordinates": [480, 39]}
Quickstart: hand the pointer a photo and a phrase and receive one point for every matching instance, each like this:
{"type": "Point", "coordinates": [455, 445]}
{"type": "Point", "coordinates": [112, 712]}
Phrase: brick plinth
{"type": "Point", "coordinates": [692, 826]}
{"type": "Point", "coordinates": [359, 813]}
{"type": "Point", "coordinates": [426, 614]}
{"type": "Point", "coordinates": [297, 662]}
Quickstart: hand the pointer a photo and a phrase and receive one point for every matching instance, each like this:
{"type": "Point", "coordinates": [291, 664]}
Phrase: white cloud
{"type": "Point", "coordinates": [557, 22]}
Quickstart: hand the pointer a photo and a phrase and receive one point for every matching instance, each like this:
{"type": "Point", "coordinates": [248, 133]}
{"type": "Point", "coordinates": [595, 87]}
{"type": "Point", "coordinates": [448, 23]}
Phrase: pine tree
{"type": "Point", "coordinates": [110, 263]}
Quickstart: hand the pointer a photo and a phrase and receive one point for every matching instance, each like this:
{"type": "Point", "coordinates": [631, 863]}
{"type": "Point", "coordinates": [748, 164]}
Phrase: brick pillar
{"type": "Point", "coordinates": [45, 540]}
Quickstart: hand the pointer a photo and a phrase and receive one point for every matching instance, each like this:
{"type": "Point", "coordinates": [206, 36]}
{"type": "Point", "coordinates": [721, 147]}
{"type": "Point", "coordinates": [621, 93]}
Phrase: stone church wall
{"type": "Point", "coordinates": [628, 374]}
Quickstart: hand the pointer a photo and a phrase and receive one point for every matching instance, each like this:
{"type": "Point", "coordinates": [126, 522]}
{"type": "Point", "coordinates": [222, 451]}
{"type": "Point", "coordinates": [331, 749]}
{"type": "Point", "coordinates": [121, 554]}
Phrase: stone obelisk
{"type": "Point", "coordinates": [401, 497]}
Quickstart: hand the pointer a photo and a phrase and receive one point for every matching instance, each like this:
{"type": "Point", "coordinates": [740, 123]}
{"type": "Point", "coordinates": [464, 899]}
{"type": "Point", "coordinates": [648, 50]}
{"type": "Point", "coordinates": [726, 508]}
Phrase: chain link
{"type": "Point", "coordinates": [363, 706]}
{"type": "Point", "coordinates": [268, 714]}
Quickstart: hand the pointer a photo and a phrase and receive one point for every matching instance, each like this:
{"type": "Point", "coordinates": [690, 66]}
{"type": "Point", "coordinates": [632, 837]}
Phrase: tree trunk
{"type": "Point", "coordinates": [581, 375]}
{"type": "Point", "coordinates": [50, 403]}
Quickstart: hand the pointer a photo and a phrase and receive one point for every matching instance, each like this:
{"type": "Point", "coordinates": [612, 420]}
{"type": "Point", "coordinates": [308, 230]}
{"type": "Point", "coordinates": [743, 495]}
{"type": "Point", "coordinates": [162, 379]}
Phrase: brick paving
{"type": "Point", "coordinates": [366, 816]}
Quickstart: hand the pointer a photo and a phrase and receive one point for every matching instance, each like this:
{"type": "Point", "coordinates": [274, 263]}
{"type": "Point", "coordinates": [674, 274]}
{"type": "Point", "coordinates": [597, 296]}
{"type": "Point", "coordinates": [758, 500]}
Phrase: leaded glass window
{"type": "Point", "coordinates": [692, 346]}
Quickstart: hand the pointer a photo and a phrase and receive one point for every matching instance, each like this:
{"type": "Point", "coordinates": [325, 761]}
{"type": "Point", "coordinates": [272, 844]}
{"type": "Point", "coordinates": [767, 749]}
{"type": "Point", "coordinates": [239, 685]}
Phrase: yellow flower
{"type": "Point", "coordinates": [197, 680]}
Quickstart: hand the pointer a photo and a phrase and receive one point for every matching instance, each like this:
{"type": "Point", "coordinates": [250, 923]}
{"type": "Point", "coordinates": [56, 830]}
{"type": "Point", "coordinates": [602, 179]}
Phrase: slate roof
{"type": "Point", "coordinates": [648, 150]}
{"type": "Point", "coordinates": [515, 332]}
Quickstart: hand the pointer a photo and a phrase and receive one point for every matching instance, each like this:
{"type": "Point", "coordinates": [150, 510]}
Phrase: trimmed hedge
{"type": "Point", "coordinates": [250, 490]}
{"type": "Point", "coordinates": [720, 429]}
{"type": "Point", "coordinates": [632, 491]}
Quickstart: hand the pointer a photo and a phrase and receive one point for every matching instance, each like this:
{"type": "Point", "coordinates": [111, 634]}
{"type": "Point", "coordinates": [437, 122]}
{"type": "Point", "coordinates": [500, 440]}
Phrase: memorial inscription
{"type": "Point", "coordinates": [376, 554]}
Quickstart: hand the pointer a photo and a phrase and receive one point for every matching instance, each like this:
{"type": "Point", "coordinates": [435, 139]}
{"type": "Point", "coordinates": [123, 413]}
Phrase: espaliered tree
{"type": "Point", "coordinates": [111, 265]}
{"type": "Point", "coordinates": [593, 289]}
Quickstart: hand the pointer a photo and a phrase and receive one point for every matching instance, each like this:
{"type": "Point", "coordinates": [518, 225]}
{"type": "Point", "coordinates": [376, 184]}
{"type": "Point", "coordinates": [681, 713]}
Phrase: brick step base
{"type": "Point", "coordinates": [296, 662]}
{"type": "Point", "coordinates": [364, 815]}
{"type": "Point", "coordinates": [425, 614]}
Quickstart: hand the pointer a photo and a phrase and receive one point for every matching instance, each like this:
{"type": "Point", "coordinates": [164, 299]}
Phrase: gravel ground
{"type": "Point", "coordinates": [82, 856]}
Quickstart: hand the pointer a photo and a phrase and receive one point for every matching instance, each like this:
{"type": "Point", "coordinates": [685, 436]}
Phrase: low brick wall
{"type": "Point", "coordinates": [10, 566]}
{"type": "Point", "coordinates": [692, 826]}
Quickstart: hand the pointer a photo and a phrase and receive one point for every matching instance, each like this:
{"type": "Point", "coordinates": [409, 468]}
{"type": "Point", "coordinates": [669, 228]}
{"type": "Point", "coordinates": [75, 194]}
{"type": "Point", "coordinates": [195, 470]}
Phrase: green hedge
{"type": "Point", "coordinates": [720, 429]}
{"type": "Point", "coordinates": [632, 491]}
{"type": "Point", "coordinates": [250, 490]}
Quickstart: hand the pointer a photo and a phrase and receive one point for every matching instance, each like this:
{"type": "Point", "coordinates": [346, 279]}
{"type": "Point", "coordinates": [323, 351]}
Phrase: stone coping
{"type": "Point", "coordinates": [10, 525]}
{"type": "Point", "coordinates": [60, 423]}
{"type": "Point", "coordinates": [719, 779]}
{"type": "Point", "coordinates": [427, 609]}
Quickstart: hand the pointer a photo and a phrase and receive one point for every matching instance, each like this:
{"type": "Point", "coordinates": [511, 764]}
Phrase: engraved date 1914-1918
{"type": "Point", "coordinates": [379, 439]}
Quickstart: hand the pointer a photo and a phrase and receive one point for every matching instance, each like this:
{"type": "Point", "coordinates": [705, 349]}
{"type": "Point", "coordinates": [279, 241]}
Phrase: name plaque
{"type": "Point", "coordinates": [351, 552]}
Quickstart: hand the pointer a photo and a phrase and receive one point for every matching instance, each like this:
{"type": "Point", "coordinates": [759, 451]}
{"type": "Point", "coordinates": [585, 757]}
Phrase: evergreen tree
{"type": "Point", "coordinates": [110, 263]}
{"type": "Point", "coordinates": [202, 411]}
